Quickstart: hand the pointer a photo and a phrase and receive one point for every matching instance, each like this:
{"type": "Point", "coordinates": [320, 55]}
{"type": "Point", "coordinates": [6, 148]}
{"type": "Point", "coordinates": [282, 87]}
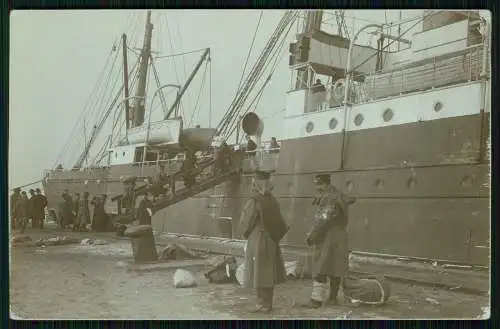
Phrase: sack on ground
{"type": "Point", "coordinates": [320, 291]}
{"type": "Point", "coordinates": [176, 251]}
{"type": "Point", "coordinates": [240, 272]}
{"type": "Point", "coordinates": [223, 272]}
{"type": "Point", "coordinates": [292, 269]}
{"type": "Point", "coordinates": [374, 290]}
{"type": "Point", "coordinates": [184, 279]}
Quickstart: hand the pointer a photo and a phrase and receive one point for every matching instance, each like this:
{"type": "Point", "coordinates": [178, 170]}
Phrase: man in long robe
{"type": "Point", "coordinates": [66, 207]}
{"type": "Point", "coordinates": [23, 206]}
{"type": "Point", "coordinates": [40, 204]}
{"type": "Point", "coordinates": [83, 217]}
{"type": "Point", "coordinates": [328, 237]}
{"type": "Point", "coordinates": [263, 227]}
{"type": "Point", "coordinates": [145, 211]}
{"type": "Point", "coordinates": [35, 222]}
{"type": "Point", "coordinates": [188, 165]}
{"type": "Point", "coordinates": [76, 208]}
{"type": "Point", "coordinates": [99, 217]}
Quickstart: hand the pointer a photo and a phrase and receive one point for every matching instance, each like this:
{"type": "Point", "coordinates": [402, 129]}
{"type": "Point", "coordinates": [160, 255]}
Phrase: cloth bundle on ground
{"type": "Point", "coordinates": [176, 251]}
{"type": "Point", "coordinates": [21, 239]}
{"type": "Point", "coordinates": [371, 290]}
{"type": "Point", "coordinates": [184, 279]}
{"type": "Point", "coordinates": [223, 271]}
{"type": "Point", "coordinates": [57, 241]}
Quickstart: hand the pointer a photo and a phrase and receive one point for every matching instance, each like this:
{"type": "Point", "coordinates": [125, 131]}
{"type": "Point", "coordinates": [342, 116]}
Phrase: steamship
{"type": "Point", "coordinates": [406, 132]}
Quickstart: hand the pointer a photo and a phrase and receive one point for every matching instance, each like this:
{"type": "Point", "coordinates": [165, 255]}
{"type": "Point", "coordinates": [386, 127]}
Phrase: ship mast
{"type": "Point", "coordinates": [139, 103]}
{"type": "Point", "coordinates": [125, 81]}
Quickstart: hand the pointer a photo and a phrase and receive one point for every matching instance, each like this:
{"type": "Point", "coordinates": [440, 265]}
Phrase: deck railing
{"type": "Point", "coordinates": [453, 68]}
{"type": "Point", "coordinates": [265, 158]}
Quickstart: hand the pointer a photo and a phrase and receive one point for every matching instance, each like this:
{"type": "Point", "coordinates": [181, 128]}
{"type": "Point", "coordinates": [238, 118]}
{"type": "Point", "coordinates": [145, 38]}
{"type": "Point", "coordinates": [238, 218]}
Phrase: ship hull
{"type": "Point", "coordinates": [422, 189]}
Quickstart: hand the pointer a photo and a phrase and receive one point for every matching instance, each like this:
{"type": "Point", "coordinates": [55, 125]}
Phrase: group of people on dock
{"type": "Point", "coordinates": [25, 209]}
{"type": "Point", "coordinates": [74, 213]}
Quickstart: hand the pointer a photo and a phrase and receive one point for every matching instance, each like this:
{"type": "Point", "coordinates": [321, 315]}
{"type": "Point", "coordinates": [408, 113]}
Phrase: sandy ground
{"type": "Point", "coordinates": [91, 282]}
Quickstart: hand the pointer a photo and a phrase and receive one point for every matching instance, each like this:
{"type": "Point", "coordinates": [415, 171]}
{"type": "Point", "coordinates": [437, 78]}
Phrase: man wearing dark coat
{"type": "Point", "coordinates": [14, 210]}
{"type": "Point", "coordinates": [41, 203]}
{"type": "Point", "coordinates": [76, 208]}
{"type": "Point", "coordinates": [66, 207]}
{"type": "Point", "coordinates": [328, 237]}
{"type": "Point", "coordinates": [145, 211]}
{"type": "Point", "coordinates": [188, 165]}
{"type": "Point", "coordinates": [32, 210]}
{"type": "Point", "coordinates": [83, 216]}
{"type": "Point", "coordinates": [23, 206]}
{"type": "Point", "coordinates": [157, 187]}
{"type": "Point", "coordinates": [99, 217]}
{"type": "Point", "coordinates": [263, 228]}
{"type": "Point", "coordinates": [38, 202]}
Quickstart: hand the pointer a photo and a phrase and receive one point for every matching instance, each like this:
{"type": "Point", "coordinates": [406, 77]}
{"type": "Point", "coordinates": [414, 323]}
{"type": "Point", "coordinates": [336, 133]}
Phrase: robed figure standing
{"type": "Point", "coordinates": [263, 228]}
{"type": "Point", "coordinates": [329, 239]}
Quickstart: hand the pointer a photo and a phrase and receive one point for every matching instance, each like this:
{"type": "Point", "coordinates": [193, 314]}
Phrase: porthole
{"type": "Point", "coordinates": [349, 186]}
{"type": "Point", "coordinates": [388, 115]}
{"type": "Point", "coordinates": [438, 106]}
{"type": "Point", "coordinates": [466, 181]}
{"type": "Point", "coordinates": [333, 123]}
{"type": "Point", "coordinates": [379, 183]}
{"type": "Point", "coordinates": [309, 127]}
{"type": "Point", "coordinates": [411, 183]}
{"type": "Point", "coordinates": [358, 119]}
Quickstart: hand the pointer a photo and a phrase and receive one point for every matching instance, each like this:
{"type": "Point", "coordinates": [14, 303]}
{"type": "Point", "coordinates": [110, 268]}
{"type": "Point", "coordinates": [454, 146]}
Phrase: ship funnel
{"type": "Point", "coordinates": [252, 125]}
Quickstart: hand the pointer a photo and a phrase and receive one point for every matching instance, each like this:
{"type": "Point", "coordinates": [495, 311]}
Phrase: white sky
{"type": "Point", "coordinates": [56, 58]}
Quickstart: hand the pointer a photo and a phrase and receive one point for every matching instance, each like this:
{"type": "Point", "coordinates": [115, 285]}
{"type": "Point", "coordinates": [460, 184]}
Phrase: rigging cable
{"type": "Point", "coordinates": [250, 51]}
{"type": "Point", "coordinates": [102, 105]}
{"type": "Point", "coordinates": [258, 97]}
{"type": "Point", "coordinates": [199, 94]}
{"type": "Point", "coordinates": [85, 109]}
{"type": "Point", "coordinates": [252, 77]}
{"type": "Point", "coordinates": [259, 68]}
{"type": "Point", "coordinates": [210, 93]}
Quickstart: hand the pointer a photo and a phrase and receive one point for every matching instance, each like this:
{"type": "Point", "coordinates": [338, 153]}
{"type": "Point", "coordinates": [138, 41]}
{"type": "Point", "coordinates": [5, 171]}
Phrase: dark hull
{"type": "Point", "coordinates": [422, 188]}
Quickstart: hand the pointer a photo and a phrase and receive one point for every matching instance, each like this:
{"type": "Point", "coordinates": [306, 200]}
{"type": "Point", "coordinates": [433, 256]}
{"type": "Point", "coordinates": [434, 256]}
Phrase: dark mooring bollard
{"type": "Point", "coordinates": [225, 227]}
{"type": "Point", "coordinates": [143, 243]}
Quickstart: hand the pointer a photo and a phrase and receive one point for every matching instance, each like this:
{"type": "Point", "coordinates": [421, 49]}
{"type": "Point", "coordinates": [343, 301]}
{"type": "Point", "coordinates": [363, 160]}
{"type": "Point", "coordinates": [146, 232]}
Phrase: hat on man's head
{"type": "Point", "coordinates": [262, 175]}
{"type": "Point", "coordinates": [322, 178]}
{"type": "Point", "coordinates": [32, 191]}
{"type": "Point", "coordinates": [38, 190]}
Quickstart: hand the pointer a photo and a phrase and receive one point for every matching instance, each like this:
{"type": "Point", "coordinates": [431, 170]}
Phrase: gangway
{"type": "Point", "coordinates": [202, 183]}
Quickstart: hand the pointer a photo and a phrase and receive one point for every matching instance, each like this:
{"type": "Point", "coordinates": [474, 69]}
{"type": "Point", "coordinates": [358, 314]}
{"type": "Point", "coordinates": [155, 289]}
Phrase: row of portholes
{"type": "Point", "coordinates": [411, 183]}
{"type": "Point", "coordinates": [387, 116]}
